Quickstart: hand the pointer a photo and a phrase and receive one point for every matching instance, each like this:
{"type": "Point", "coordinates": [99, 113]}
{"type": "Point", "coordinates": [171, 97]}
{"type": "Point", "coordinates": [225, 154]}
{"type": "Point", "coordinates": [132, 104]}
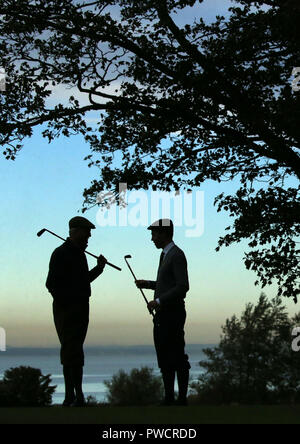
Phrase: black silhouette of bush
{"type": "Point", "coordinates": [5, 398]}
{"type": "Point", "coordinates": [25, 387]}
{"type": "Point", "coordinates": [140, 387]}
{"type": "Point", "coordinates": [254, 362]}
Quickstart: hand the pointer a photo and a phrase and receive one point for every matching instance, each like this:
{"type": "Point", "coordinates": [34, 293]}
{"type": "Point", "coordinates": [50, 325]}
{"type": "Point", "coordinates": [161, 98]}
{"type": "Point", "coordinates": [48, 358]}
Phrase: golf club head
{"type": "Point", "coordinates": [128, 256]}
{"type": "Point", "coordinates": [41, 232]}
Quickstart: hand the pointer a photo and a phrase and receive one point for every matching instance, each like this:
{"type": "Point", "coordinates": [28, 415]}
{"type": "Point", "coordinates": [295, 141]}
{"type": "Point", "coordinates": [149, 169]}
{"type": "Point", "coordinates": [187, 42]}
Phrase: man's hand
{"type": "Point", "coordinates": [152, 305]}
{"type": "Point", "coordinates": [101, 261]}
{"type": "Point", "coordinates": [142, 284]}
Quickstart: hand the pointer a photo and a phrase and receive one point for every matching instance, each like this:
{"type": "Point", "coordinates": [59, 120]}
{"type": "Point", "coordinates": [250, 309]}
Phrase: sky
{"type": "Point", "coordinates": [43, 188]}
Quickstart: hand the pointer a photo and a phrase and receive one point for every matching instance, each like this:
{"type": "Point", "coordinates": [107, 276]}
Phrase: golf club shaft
{"type": "Point", "coordinates": [87, 252]}
{"type": "Point", "coordinates": [139, 288]}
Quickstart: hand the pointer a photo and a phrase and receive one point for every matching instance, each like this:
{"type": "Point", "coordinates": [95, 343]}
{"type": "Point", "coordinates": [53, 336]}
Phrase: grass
{"type": "Point", "coordinates": [153, 415]}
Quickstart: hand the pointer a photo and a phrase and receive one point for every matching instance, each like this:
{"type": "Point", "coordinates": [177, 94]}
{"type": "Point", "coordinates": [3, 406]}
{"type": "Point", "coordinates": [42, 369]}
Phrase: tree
{"type": "Point", "coordinates": [140, 387]}
{"type": "Point", "coordinates": [219, 94]}
{"type": "Point", "coordinates": [25, 387]}
{"type": "Point", "coordinates": [254, 362]}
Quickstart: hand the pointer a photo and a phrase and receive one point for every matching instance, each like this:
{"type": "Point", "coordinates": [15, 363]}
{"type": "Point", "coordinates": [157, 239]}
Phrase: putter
{"type": "Point", "coordinates": [39, 234]}
{"type": "Point", "coordinates": [128, 256]}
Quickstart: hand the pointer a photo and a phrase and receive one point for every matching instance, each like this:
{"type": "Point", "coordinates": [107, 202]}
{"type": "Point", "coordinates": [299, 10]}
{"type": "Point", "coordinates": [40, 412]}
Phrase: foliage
{"type": "Point", "coordinates": [25, 387]}
{"type": "Point", "coordinates": [218, 94]}
{"type": "Point", "coordinates": [91, 401]}
{"type": "Point", "coordinates": [5, 399]}
{"type": "Point", "coordinates": [254, 362]}
{"type": "Point", "coordinates": [140, 387]}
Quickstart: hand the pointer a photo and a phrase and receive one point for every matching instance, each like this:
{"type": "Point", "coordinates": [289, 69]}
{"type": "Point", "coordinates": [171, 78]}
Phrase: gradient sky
{"type": "Point", "coordinates": [43, 188]}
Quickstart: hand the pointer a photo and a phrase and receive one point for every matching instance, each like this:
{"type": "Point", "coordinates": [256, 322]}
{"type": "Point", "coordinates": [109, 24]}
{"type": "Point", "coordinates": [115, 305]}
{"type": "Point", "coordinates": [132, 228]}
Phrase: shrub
{"type": "Point", "coordinates": [5, 398]}
{"type": "Point", "coordinates": [91, 401]}
{"type": "Point", "coordinates": [140, 387]}
{"type": "Point", "coordinates": [254, 362]}
{"type": "Point", "coordinates": [25, 387]}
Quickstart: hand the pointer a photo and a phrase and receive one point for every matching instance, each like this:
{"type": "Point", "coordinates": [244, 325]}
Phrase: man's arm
{"type": "Point", "coordinates": [181, 287]}
{"type": "Point", "coordinates": [56, 280]}
{"type": "Point", "coordinates": [148, 285]}
{"type": "Point", "coordinates": [96, 271]}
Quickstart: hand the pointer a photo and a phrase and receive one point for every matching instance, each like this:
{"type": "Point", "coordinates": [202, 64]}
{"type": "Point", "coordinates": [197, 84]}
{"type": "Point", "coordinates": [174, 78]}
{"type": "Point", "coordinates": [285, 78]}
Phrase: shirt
{"type": "Point", "coordinates": [167, 249]}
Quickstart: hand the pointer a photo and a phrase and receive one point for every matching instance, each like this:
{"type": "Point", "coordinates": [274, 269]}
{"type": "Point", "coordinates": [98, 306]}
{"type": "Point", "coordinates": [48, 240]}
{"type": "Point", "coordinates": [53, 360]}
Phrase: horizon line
{"type": "Point", "coordinates": [55, 347]}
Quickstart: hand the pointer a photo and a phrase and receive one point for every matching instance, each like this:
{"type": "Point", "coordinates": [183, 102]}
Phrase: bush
{"type": "Point", "coordinates": [140, 387]}
{"type": "Point", "coordinates": [91, 401]}
{"type": "Point", "coordinates": [254, 362]}
{"type": "Point", "coordinates": [5, 398]}
{"type": "Point", "coordinates": [25, 387]}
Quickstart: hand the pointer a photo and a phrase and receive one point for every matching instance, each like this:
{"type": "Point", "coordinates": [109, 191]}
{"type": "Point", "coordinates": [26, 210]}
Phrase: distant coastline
{"type": "Point", "coordinates": [101, 364]}
{"type": "Point", "coordinates": [99, 349]}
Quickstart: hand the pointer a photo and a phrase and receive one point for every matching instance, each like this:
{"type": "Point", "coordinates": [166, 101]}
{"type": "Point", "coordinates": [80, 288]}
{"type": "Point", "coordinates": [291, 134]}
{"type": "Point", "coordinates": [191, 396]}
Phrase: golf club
{"type": "Point", "coordinates": [96, 257]}
{"type": "Point", "coordinates": [128, 256]}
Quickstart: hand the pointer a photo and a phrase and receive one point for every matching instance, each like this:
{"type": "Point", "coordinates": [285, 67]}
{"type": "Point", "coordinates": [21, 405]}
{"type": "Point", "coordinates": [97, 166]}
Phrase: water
{"type": "Point", "coordinates": [101, 363]}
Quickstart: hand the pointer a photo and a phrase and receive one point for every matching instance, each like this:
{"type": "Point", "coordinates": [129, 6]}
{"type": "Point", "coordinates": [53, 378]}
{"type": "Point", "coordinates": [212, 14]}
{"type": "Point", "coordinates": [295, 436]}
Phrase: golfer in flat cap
{"type": "Point", "coordinates": [68, 282]}
{"type": "Point", "coordinates": [170, 290]}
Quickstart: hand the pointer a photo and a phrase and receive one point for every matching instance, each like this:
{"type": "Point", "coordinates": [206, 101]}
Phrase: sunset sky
{"type": "Point", "coordinates": [43, 188]}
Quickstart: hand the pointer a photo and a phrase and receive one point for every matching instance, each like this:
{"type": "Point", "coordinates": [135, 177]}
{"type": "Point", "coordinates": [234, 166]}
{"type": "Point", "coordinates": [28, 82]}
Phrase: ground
{"type": "Point", "coordinates": [153, 415]}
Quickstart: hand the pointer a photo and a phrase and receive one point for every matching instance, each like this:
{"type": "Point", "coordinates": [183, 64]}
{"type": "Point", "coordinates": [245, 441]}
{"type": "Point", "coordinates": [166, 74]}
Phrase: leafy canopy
{"type": "Point", "coordinates": [177, 105]}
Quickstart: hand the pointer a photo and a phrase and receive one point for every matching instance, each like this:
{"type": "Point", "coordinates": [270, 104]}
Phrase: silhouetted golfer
{"type": "Point", "coordinates": [68, 282]}
{"type": "Point", "coordinates": [170, 288]}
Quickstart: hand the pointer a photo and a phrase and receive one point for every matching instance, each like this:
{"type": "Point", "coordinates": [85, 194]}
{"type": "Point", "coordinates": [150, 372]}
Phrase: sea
{"type": "Point", "coordinates": [101, 364]}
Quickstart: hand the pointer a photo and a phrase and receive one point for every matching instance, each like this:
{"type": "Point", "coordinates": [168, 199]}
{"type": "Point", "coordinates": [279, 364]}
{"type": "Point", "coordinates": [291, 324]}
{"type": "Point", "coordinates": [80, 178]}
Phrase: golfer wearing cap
{"type": "Point", "coordinates": [170, 290]}
{"type": "Point", "coordinates": [68, 282]}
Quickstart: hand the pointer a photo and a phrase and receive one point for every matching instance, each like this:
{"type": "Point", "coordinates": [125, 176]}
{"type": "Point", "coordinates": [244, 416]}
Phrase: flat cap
{"type": "Point", "coordinates": [80, 222]}
{"type": "Point", "coordinates": [161, 224]}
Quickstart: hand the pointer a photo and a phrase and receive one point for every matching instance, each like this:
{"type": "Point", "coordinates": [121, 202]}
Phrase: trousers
{"type": "Point", "coordinates": [71, 323]}
{"type": "Point", "coordinates": [168, 333]}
